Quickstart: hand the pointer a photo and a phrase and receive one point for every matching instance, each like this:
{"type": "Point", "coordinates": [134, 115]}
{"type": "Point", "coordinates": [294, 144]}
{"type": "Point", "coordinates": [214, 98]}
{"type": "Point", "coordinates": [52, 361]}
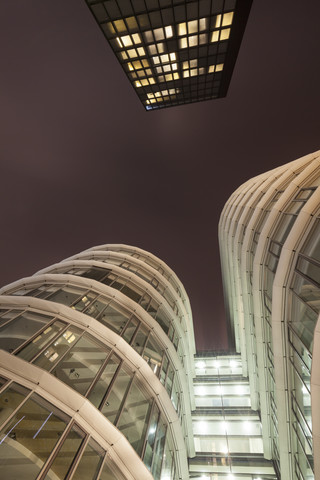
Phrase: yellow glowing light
{"type": "Point", "coordinates": [119, 42]}
{"type": "Point", "coordinates": [193, 26]}
{"type": "Point", "coordinates": [137, 64]}
{"type": "Point", "coordinates": [218, 21]}
{"type": "Point", "coordinates": [138, 84]}
{"type": "Point", "coordinates": [193, 40]}
{"type": "Point", "coordinates": [169, 77]}
{"type": "Point", "coordinates": [141, 51]}
{"type": "Point", "coordinates": [176, 76]}
{"type": "Point", "coordinates": [174, 66]}
{"type": "Point", "coordinates": [130, 66]}
{"type": "Point", "coordinates": [227, 19]}
{"type": "Point", "coordinates": [120, 26]}
{"type": "Point", "coordinates": [225, 34]}
{"type": "Point", "coordinates": [136, 38]}
{"type": "Point", "coordinates": [164, 58]}
{"type": "Point", "coordinates": [183, 42]}
{"type": "Point", "coordinates": [215, 36]}
{"type": "Point", "coordinates": [156, 60]}
{"type": "Point", "coordinates": [124, 55]}
{"type": "Point", "coordinates": [169, 31]}
{"type": "Point", "coordinates": [219, 67]}
{"type": "Point", "coordinates": [150, 95]}
{"type": "Point", "coordinates": [182, 29]}
{"type": "Point", "coordinates": [126, 40]}
{"type": "Point", "coordinates": [173, 56]}
{"type": "Point", "coordinates": [186, 73]}
{"type": "Point", "coordinates": [132, 53]}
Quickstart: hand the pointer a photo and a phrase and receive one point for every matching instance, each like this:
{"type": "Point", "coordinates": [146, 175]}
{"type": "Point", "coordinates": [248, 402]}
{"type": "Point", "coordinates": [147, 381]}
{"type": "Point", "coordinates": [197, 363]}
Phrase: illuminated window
{"type": "Point", "coordinates": [202, 24]}
{"type": "Point", "coordinates": [225, 34]}
{"type": "Point", "coordinates": [137, 64]}
{"type": "Point", "coordinates": [227, 19]}
{"type": "Point", "coordinates": [217, 21]}
{"type": "Point", "coordinates": [158, 33]}
{"type": "Point", "coordinates": [173, 56]}
{"type": "Point", "coordinates": [182, 29]}
{"type": "Point", "coordinates": [120, 26]}
{"type": "Point", "coordinates": [193, 40]}
{"type": "Point", "coordinates": [169, 31]}
{"type": "Point", "coordinates": [125, 41]}
{"type": "Point", "coordinates": [183, 42]}
{"type": "Point", "coordinates": [132, 53]}
{"type": "Point", "coordinates": [193, 26]}
{"type": "Point", "coordinates": [219, 67]}
{"type": "Point", "coordinates": [215, 36]}
{"type": "Point", "coordinates": [136, 38]}
{"type": "Point", "coordinates": [141, 51]}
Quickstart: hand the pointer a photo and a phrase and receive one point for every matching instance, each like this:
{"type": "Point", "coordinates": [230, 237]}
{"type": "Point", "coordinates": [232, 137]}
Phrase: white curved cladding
{"type": "Point", "coordinates": [280, 337]}
{"type": "Point", "coordinates": [257, 194]}
{"type": "Point", "coordinates": [139, 282]}
{"type": "Point", "coordinates": [79, 408]}
{"type": "Point", "coordinates": [160, 263]}
{"type": "Point", "coordinates": [257, 283]}
{"type": "Point", "coordinates": [41, 279]}
{"type": "Point", "coordinates": [275, 183]}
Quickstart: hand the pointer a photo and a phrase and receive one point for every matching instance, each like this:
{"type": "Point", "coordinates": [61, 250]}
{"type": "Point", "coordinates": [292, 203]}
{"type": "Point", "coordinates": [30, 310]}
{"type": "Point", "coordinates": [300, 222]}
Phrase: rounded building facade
{"type": "Point", "coordinates": [269, 240]}
{"type": "Point", "coordinates": [96, 368]}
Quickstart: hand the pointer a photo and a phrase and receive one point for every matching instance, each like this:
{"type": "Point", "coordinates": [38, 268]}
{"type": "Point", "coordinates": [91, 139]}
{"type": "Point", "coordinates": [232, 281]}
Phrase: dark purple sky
{"type": "Point", "coordinates": [82, 163]}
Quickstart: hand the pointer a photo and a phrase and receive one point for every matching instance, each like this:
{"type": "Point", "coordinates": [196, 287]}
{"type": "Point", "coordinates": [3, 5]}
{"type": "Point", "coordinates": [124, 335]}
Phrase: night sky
{"type": "Point", "coordinates": [82, 163]}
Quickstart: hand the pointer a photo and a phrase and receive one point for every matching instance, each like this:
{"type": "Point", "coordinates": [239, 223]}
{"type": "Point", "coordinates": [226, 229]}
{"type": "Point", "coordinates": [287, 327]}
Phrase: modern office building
{"type": "Point", "coordinates": [97, 371]}
{"type": "Point", "coordinates": [270, 252]}
{"type": "Point", "coordinates": [174, 51]}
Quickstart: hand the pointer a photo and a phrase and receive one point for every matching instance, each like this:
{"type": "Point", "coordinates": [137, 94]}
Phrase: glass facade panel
{"type": "Point", "coordinates": [20, 329]}
{"type": "Point", "coordinates": [90, 462]}
{"type": "Point", "coordinates": [66, 455]}
{"type": "Point", "coordinates": [29, 437]}
{"type": "Point", "coordinates": [134, 416]}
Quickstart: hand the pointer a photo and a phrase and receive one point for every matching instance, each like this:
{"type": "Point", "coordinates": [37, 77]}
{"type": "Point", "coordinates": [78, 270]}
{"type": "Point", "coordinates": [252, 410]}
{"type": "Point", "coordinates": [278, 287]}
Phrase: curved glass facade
{"type": "Point", "coordinates": [87, 357]}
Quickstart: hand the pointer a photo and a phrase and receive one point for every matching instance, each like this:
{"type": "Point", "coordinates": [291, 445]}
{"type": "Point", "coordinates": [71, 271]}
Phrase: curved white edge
{"type": "Point", "coordinates": [161, 263]}
{"type": "Point", "coordinates": [113, 294]}
{"type": "Point", "coordinates": [310, 163]}
{"type": "Point", "coordinates": [78, 408]}
{"type": "Point", "coordinates": [126, 352]}
{"type": "Point", "coordinates": [123, 300]}
{"type": "Point", "coordinates": [145, 286]}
